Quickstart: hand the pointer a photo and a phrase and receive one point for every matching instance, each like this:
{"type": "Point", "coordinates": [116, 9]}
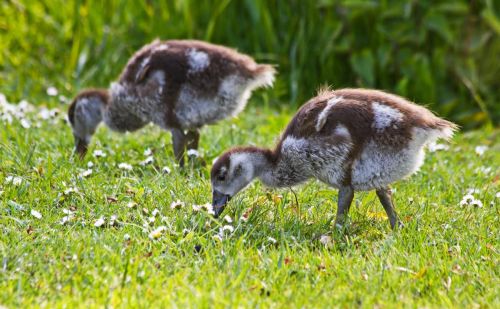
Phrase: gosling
{"type": "Point", "coordinates": [179, 85]}
{"type": "Point", "coordinates": [350, 139]}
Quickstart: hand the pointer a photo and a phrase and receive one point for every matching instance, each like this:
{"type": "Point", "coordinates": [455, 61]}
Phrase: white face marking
{"type": "Point", "coordinates": [198, 60]}
{"type": "Point", "coordinates": [323, 116]}
{"type": "Point", "coordinates": [385, 116]}
{"type": "Point", "coordinates": [239, 175]}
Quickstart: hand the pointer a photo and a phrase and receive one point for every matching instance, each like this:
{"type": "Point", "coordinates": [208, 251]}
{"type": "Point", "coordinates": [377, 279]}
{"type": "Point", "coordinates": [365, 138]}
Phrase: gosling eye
{"type": "Point", "coordinates": [221, 177]}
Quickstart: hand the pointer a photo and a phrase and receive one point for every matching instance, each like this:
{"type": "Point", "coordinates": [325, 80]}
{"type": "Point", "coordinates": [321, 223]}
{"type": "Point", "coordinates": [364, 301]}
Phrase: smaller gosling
{"type": "Point", "coordinates": [350, 139]}
{"type": "Point", "coordinates": [179, 85]}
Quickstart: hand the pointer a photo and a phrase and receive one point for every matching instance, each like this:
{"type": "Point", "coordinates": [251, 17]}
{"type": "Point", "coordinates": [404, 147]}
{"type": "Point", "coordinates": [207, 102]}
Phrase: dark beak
{"type": "Point", "coordinates": [81, 147]}
{"type": "Point", "coordinates": [219, 202]}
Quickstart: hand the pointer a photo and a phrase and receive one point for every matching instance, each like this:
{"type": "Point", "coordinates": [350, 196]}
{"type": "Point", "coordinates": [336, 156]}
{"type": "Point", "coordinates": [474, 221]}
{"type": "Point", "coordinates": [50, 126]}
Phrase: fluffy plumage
{"type": "Point", "coordinates": [350, 139]}
{"type": "Point", "coordinates": [179, 85]}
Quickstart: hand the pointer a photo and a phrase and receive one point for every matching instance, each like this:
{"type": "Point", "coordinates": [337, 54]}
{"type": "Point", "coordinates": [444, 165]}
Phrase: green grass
{"type": "Point", "coordinates": [446, 256]}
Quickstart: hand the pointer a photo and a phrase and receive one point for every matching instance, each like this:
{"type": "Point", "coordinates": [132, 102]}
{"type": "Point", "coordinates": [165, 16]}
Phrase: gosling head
{"type": "Point", "coordinates": [232, 172]}
{"type": "Point", "coordinates": [85, 113]}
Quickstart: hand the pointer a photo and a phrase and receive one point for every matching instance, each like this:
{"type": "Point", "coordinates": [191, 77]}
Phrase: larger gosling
{"type": "Point", "coordinates": [179, 85]}
{"type": "Point", "coordinates": [350, 139]}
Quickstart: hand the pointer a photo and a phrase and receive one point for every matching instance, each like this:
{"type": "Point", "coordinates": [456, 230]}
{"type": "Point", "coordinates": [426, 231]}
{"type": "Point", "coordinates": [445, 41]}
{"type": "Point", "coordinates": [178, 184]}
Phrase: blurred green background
{"type": "Point", "coordinates": [444, 54]}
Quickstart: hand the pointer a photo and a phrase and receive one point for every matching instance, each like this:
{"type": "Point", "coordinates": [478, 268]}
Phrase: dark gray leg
{"type": "Point", "coordinates": [385, 197]}
{"type": "Point", "coordinates": [346, 194]}
{"type": "Point", "coordinates": [193, 138]}
{"type": "Point", "coordinates": [179, 140]}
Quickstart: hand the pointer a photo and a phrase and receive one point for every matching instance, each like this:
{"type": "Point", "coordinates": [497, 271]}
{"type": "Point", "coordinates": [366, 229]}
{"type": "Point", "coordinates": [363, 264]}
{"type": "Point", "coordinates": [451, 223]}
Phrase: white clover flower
{"type": "Point", "coordinates": [99, 153]}
{"type": "Point", "coordinates": [155, 212]}
{"type": "Point", "coordinates": [227, 228]}
{"type": "Point", "coordinates": [208, 207]}
{"type": "Point", "coordinates": [157, 233]}
{"type": "Point", "coordinates": [126, 237]}
{"type": "Point", "coordinates": [193, 153]}
{"type": "Point", "coordinates": [147, 161]}
{"type": "Point", "coordinates": [52, 91]}
{"type": "Point", "coordinates": [99, 222]}
{"type": "Point", "coordinates": [112, 220]}
{"type": "Point", "coordinates": [54, 112]}
{"type": "Point", "coordinates": [177, 204]}
{"type": "Point", "coordinates": [477, 203]}
{"type": "Point", "coordinates": [148, 152]}
{"type": "Point", "coordinates": [228, 219]}
{"type": "Point", "coordinates": [44, 113]}
{"type": "Point", "coordinates": [15, 180]}
{"type": "Point", "coordinates": [90, 164]}
{"type": "Point", "coordinates": [86, 173]}
{"type": "Point", "coordinates": [7, 118]}
{"type": "Point", "coordinates": [271, 240]}
{"type": "Point", "coordinates": [480, 150]}
{"type": "Point", "coordinates": [36, 214]}
{"type": "Point", "coordinates": [25, 123]}
{"type": "Point", "coordinates": [467, 200]}
{"type": "Point", "coordinates": [24, 106]}
{"type": "Point", "coordinates": [470, 200]}
{"type": "Point", "coordinates": [70, 190]}
{"type": "Point", "coordinates": [326, 240]}
{"type": "Point", "coordinates": [65, 220]}
{"type": "Point", "coordinates": [67, 211]}
{"type": "Point", "coordinates": [131, 204]}
{"type": "Point", "coordinates": [166, 170]}
{"type": "Point", "coordinates": [125, 166]}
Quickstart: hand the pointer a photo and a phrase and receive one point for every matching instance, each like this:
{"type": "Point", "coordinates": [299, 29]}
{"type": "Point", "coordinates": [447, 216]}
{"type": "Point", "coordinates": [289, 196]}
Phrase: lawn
{"type": "Point", "coordinates": [98, 233]}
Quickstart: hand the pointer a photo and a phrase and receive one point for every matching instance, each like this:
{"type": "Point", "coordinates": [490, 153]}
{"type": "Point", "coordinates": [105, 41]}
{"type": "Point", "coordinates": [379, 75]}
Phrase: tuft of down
{"type": "Point", "coordinates": [264, 76]}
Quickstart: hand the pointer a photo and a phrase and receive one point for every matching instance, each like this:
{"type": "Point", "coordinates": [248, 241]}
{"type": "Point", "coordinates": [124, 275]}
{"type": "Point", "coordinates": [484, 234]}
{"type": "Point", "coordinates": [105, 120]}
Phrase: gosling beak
{"type": "Point", "coordinates": [81, 147]}
{"type": "Point", "coordinates": [219, 202]}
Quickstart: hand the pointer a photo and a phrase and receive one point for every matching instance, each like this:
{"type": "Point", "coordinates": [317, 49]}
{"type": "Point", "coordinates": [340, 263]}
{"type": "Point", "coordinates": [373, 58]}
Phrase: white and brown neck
{"type": "Point", "coordinates": [270, 167]}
